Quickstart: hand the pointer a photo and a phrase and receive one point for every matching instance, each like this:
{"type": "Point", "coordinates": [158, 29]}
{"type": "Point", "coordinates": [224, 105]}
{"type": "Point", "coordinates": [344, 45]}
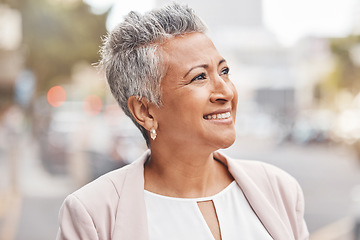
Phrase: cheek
{"type": "Point", "coordinates": [235, 99]}
{"type": "Point", "coordinates": [191, 99]}
{"type": "Point", "coordinates": [181, 107]}
{"type": "Point", "coordinates": [187, 104]}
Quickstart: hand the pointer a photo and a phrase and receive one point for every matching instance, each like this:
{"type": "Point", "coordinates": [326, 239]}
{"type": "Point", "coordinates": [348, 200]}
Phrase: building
{"type": "Point", "coordinates": [11, 56]}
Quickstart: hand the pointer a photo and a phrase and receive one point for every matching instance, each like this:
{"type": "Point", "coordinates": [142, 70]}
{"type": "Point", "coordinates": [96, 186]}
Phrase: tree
{"type": "Point", "coordinates": [346, 71]}
{"type": "Point", "coordinates": [57, 34]}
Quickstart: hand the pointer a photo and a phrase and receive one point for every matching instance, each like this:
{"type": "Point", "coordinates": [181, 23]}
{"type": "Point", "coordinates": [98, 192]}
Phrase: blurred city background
{"type": "Point", "coordinates": [296, 66]}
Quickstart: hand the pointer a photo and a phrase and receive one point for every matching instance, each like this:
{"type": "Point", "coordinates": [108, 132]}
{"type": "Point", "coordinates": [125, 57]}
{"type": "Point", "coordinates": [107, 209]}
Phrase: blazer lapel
{"type": "Point", "coordinates": [257, 200]}
{"type": "Point", "coordinates": [131, 220]}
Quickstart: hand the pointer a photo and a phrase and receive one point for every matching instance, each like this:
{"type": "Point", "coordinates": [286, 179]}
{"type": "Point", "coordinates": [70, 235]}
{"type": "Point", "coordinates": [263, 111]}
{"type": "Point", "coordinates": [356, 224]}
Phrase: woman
{"type": "Point", "coordinates": [171, 81]}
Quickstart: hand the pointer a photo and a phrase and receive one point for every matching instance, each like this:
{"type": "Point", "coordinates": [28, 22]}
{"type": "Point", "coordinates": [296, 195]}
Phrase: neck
{"type": "Point", "coordinates": [186, 174]}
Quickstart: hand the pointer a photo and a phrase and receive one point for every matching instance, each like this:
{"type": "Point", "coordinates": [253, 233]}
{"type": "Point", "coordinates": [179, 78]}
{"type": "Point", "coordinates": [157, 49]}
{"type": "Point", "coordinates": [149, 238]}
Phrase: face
{"type": "Point", "coordinates": [198, 99]}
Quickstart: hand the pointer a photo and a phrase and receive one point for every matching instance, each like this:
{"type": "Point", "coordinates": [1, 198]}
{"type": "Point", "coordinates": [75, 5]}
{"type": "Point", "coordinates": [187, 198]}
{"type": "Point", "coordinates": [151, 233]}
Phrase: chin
{"type": "Point", "coordinates": [228, 144]}
{"type": "Point", "coordinates": [221, 141]}
{"type": "Point", "coordinates": [227, 141]}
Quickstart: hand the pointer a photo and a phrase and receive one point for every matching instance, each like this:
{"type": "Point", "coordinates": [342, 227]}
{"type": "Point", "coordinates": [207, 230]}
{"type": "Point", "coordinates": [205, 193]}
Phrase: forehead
{"type": "Point", "coordinates": [184, 51]}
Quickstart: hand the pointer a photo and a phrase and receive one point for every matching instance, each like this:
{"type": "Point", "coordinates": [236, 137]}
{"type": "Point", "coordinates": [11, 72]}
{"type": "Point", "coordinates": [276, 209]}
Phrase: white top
{"type": "Point", "coordinates": [180, 218]}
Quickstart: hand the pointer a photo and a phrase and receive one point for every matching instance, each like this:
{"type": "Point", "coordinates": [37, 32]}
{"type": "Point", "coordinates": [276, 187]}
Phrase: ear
{"type": "Point", "coordinates": [139, 108]}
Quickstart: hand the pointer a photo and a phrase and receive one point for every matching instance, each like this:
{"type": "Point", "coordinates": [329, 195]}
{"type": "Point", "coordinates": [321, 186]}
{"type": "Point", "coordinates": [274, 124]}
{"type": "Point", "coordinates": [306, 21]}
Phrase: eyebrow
{"type": "Point", "coordinates": [203, 66]}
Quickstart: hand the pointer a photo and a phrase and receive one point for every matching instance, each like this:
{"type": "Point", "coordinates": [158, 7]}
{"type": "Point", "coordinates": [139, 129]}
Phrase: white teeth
{"type": "Point", "coordinates": [218, 116]}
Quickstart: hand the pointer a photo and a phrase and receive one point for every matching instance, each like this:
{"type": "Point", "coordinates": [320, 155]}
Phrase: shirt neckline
{"type": "Point", "coordinates": [201, 199]}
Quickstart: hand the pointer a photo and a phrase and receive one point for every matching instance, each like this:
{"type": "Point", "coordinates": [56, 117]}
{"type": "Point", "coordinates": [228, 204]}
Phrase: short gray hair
{"type": "Point", "coordinates": [130, 55]}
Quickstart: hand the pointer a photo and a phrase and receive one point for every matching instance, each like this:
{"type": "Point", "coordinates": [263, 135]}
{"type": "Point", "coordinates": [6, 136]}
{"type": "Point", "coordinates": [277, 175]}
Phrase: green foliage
{"type": "Point", "coordinates": [57, 34]}
{"type": "Point", "coordinates": [346, 74]}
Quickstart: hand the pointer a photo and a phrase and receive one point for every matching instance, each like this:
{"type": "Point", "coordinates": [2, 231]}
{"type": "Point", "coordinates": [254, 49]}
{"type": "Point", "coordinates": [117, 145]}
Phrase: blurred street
{"type": "Point", "coordinates": [31, 211]}
{"type": "Point", "coordinates": [327, 174]}
{"type": "Point", "coordinates": [298, 107]}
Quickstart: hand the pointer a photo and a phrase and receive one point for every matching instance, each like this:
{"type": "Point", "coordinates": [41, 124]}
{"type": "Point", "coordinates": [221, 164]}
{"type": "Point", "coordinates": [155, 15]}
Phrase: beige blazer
{"type": "Point", "coordinates": [113, 206]}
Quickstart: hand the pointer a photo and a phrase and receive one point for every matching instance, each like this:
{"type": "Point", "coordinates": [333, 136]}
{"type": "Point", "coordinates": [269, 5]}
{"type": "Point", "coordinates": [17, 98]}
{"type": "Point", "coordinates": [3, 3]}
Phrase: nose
{"type": "Point", "coordinates": [223, 90]}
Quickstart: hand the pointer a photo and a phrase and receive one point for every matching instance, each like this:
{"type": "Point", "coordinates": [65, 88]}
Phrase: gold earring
{"type": "Point", "coordinates": [153, 134]}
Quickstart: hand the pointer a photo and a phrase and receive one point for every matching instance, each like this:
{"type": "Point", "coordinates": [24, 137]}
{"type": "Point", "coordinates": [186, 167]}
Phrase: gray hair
{"type": "Point", "coordinates": [130, 55]}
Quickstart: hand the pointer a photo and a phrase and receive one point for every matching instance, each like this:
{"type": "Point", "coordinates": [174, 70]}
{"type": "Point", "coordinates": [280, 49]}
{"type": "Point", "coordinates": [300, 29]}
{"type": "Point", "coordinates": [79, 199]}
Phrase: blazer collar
{"type": "Point", "coordinates": [257, 200]}
{"type": "Point", "coordinates": [132, 220]}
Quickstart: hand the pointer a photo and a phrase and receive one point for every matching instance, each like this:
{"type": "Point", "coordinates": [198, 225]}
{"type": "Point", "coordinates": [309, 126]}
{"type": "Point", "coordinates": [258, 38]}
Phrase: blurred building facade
{"type": "Point", "coordinates": [11, 55]}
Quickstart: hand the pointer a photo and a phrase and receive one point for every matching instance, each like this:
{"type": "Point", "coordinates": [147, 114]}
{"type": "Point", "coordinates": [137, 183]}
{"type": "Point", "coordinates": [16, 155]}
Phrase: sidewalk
{"type": "Point", "coordinates": [10, 199]}
{"type": "Point", "coordinates": [32, 213]}
{"type": "Point", "coordinates": [339, 230]}
{"type": "Point", "coordinates": [10, 208]}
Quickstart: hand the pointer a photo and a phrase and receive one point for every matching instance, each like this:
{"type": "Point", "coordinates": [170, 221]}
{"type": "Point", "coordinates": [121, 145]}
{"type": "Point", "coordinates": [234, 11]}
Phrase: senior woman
{"type": "Point", "coordinates": [168, 77]}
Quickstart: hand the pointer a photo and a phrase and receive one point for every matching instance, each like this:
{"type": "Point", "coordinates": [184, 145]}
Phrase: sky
{"type": "Point", "coordinates": [289, 20]}
{"type": "Point", "coordinates": [293, 19]}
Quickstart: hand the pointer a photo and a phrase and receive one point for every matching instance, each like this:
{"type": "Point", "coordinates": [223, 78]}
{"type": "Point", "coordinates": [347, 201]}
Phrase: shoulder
{"type": "Point", "coordinates": [258, 172]}
{"type": "Point", "coordinates": [109, 183]}
{"type": "Point", "coordinates": [263, 172]}
{"type": "Point", "coordinates": [84, 212]}
{"type": "Point", "coordinates": [92, 210]}
{"type": "Point", "coordinates": [109, 187]}
{"type": "Point", "coordinates": [102, 195]}
{"type": "Point", "coordinates": [275, 186]}
{"type": "Point", "coordinates": [274, 183]}
{"type": "Point", "coordinates": [98, 196]}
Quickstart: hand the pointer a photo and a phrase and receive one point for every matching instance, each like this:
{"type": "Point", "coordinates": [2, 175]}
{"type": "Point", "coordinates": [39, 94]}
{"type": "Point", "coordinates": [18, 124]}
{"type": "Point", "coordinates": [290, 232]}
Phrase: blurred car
{"type": "Point", "coordinates": [55, 140]}
{"type": "Point", "coordinates": [313, 127]}
{"type": "Point", "coordinates": [85, 146]}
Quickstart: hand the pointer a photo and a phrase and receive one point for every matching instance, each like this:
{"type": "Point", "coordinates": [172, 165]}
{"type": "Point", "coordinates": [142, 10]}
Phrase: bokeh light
{"type": "Point", "coordinates": [56, 96]}
{"type": "Point", "coordinates": [92, 105]}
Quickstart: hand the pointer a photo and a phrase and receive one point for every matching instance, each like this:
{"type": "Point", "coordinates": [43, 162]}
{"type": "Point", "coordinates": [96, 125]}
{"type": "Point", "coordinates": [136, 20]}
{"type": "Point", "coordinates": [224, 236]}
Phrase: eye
{"type": "Point", "coordinates": [225, 71]}
{"type": "Point", "coordinates": [201, 76]}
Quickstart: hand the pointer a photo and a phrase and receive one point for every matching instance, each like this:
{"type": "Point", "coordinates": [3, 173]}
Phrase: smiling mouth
{"type": "Point", "coordinates": [218, 116]}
